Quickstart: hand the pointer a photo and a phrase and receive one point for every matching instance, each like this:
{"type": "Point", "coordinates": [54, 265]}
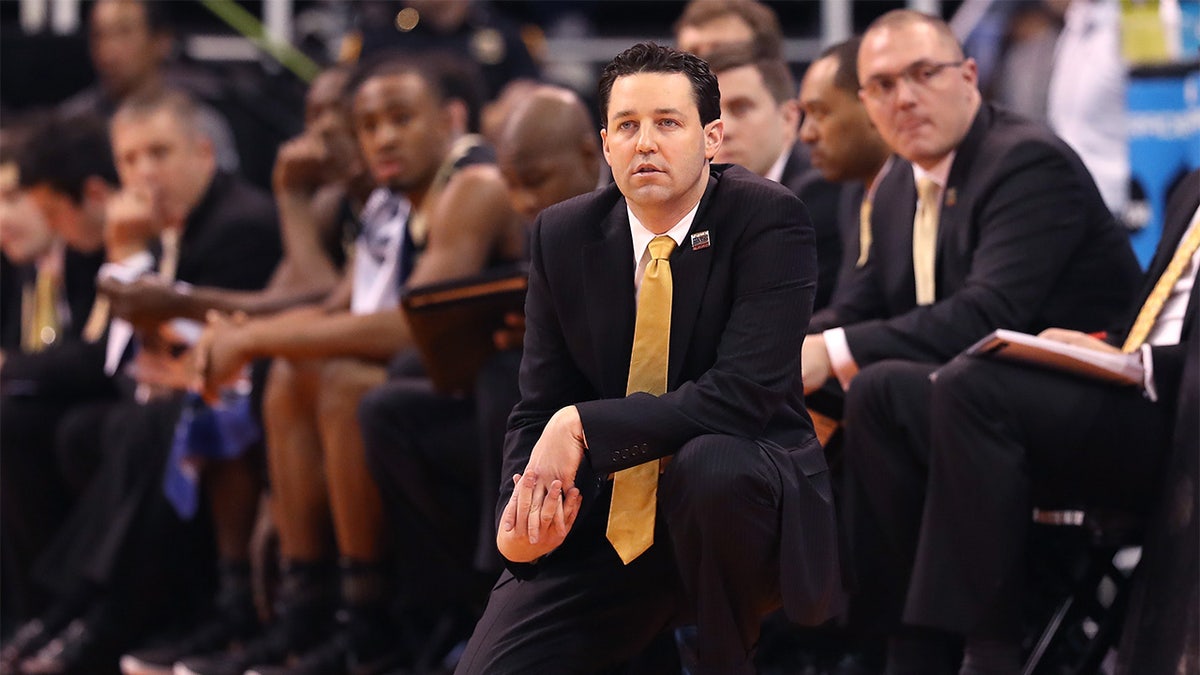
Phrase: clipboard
{"type": "Point", "coordinates": [1121, 369]}
{"type": "Point", "coordinates": [452, 323]}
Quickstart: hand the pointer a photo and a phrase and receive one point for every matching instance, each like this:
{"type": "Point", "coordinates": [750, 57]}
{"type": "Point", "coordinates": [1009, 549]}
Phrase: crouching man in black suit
{"type": "Point", "coordinates": [664, 321]}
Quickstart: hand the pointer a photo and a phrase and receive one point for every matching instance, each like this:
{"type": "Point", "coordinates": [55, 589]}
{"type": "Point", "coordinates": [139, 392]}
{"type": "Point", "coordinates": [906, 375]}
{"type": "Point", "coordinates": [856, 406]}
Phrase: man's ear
{"type": "Point", "coordinates": [791, 113]}
{"type": "Point", "coordinates": [604, 146]}
{"type": "Point", "coordinates": [714, 134]}
{"type": "Point", "coordinates": [96, 192]}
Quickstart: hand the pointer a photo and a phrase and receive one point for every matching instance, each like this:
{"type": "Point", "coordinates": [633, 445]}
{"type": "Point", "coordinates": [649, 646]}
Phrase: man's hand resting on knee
{"type": "Point", "coordinates": [545, 500]}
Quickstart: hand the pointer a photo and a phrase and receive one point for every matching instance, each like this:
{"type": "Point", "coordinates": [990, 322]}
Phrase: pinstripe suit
{"type": "Point", "coordinates": [745, 512]}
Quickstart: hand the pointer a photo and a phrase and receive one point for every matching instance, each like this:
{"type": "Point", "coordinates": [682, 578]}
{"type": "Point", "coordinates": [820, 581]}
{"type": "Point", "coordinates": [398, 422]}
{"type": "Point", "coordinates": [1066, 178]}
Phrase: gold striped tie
{"type": "Point", "coordinates": [864, 232]}
{"type": "Point", "coordinates": [631, 515]}
{"type": "Point", "coordinates": [925, 227]}
{"type": "Point", "coordinates": [1146, 317]}
{"type": "Point", "coordinates": [41, 309]}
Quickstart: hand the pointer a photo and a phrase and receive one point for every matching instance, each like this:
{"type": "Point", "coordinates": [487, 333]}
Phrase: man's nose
{"type": "Point", "coordinates": [808, 130]}
{"type": "Point", "coordinates": [645, 140]}
{"type": "Point", "coordinates": [386, 134]}
{"type": "Point", "coordinates": [906, 92]}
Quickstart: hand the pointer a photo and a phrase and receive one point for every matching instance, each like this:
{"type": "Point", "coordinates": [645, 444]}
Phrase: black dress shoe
{"type": "Point", "coordinates": [77, 649]}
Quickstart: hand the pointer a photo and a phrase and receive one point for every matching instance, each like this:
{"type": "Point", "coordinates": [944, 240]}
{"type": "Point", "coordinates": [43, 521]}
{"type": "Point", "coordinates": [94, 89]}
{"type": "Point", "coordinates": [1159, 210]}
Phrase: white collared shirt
{"type": "Point", "coordinates": [775, 173]}
{"type": "Point", "coordinates": [643, 236]}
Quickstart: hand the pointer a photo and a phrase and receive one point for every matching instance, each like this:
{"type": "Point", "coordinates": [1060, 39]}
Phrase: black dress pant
{"type": "Point", "coordinates": [715, 563]}
{"type": "Point", "coordinates": [1007, 438]}
{"type": "Point", "coordinates": [436, 460]}
{"type": "Point", "coordinates": [123, 538]}
{"type": "Point", "coordinates": [885, 460]}
{"type": "Point", "coordinates": [943, 476]}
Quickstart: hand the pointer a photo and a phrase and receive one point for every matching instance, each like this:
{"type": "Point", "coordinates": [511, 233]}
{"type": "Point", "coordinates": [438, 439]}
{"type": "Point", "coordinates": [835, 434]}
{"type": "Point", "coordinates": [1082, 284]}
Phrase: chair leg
{"type": "Point", "coordinates": [1048, 635]}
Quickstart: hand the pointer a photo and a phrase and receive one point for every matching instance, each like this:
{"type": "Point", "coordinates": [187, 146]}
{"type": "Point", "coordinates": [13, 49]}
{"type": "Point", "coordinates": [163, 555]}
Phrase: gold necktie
{"type": "Point", "coordinates": [41, 311]}
{"type": "Point", "coordinates": [864, 232]}
{"type": "Point", "coordinates": [925, 227]}
{"type": "Point", "coordinates": [631, 516]}
{"type": "Point", "coordinates": [168, 265]}
{"type": "Point", "coordinates": [1146, 317]}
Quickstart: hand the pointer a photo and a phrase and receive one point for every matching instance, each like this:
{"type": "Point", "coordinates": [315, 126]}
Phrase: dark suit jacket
{"type": "Point", "coordinates": [79, 290]}
{"type": "Point", "coordinates": [1024, 242]}
{"type": "Point", "coordinates": [71, 367]}
{"type": "Point", "coordinates": [231, 238]}
{"type": "Point", "coordinates": [738, 316]}
{"type": "Point", "coordinates": [1168, 359]}
{"type": "Point", "coordinates": [823, 200]}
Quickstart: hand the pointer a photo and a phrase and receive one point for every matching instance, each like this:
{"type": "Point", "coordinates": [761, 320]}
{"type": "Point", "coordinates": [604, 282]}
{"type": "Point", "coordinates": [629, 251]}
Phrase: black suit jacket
{"type": "Point", "coordinates": [231, 238]}
{"type": "Point", "coordinates": [738, 316]}
{"type": "Point", "coordinates": [1024, 242]}
{"type": "Point", "coordinates": [72, 366]}
{"type": "Point", "coordinates": [823, 201]}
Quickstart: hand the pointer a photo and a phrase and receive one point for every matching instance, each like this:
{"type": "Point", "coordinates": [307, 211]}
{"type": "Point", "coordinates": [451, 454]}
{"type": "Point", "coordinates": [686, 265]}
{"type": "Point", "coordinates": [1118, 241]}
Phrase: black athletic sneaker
{"type": "Point", "coordinates": [226, 629]}
{"type": "Point", "coordinates": [279, 642]}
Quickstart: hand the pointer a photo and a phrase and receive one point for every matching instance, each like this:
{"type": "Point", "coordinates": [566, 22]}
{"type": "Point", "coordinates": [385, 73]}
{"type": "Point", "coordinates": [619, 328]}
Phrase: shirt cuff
{"type": "Point", "coordinates": [129, 268]}
{"type": "Point", "coordinates": [1148, 374]}
{"type": "Point", "coordinates": [840, 359]}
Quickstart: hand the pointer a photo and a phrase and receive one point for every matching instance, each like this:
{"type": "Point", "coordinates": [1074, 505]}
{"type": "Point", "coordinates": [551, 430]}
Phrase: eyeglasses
{"type": "Point", "coordinates": [919, 74]}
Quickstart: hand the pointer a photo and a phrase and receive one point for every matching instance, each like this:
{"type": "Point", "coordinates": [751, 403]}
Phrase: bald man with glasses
{"type": "Point", "coordinates": [985, 221]}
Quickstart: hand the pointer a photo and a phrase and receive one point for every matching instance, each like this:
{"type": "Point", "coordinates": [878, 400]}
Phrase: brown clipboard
{"type": "Point", "coordinates": [452, 323]}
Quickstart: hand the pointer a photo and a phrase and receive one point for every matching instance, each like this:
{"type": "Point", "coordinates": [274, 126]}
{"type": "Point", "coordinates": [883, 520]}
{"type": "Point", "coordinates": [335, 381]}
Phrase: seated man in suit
{"type": "Point", "coordinates": [1006, 229]}
{"type": "Point", "coordinates": [54, 198]}
{"type": "Point", "coordinates": [319, 185]}
{"type": "Point", "coordinates": [1010, 437]}
{"type": "Point", "coordinates": [843, 145]}
{"type": "Point", "coordinates": [664, 318]}
{"type": "Point", "coordinates": [439, 212]}
{"type": "Point", "coordinates": [758, 107]}
{"type": "Point", "coordinates": [177, 215]}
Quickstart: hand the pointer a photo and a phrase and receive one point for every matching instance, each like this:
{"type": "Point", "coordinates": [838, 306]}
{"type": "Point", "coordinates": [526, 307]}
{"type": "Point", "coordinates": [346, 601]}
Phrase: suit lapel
{"type": "Point", "coordinates": [689, 280]}
{"type": "Point", "coordinates": [608, 297]}
{"type": "Point", "coordinates": [954, 215]}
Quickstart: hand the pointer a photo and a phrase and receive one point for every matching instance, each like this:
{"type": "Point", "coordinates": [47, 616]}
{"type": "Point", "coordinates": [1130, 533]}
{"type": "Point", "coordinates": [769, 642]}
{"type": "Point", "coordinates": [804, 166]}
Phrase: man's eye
{"type": "Point", "coordinates": [669, 123]}
{"type": "Point", "coordinates": [924, 73]}
{"type": "Point", "coordinates": [625, 126]}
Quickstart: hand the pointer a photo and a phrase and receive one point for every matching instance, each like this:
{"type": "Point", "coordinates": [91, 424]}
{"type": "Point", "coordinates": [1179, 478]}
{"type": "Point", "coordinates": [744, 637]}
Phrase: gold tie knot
{"type": "Point", "coordinates": [927, 190]}
{"type": "Point", "coordinates": [661, 247]}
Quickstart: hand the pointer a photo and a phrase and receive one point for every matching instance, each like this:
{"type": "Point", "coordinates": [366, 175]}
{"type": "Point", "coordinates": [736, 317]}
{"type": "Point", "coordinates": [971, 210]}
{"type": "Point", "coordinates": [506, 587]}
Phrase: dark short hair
{"type": "Point", "coordinates": [774, 71]}
{"type": "Point", "coordinates": [648, 57]}
{"type": "Point", "coordinates": [449, 76]}
{"type": "Point", "coordinates": [157, 16]}
{"type": "Point", "coordinates": [63, 152]}
{"type": "Point", "coordinates": [761, 19]}
{"type": "Point", "coordinates": [845, 54]}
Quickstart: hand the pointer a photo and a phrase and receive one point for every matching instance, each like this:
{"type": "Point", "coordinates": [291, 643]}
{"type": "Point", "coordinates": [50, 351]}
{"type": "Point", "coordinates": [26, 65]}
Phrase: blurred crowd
{"type": "Point", "coordinates": [221, 451]}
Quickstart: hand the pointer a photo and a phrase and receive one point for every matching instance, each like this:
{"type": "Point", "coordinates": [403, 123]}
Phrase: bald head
{"type": "Point", "coordinates": [903, 19]}
{"type": "Point", "coordinates": [548, 150]}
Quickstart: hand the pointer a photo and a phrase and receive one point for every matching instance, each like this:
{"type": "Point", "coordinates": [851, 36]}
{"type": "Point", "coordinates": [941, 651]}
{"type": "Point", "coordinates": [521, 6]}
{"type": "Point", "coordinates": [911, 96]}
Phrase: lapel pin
{"type": "Point", "coordinates": [701, 240]}
{"type": "Point", "coordinates": [951, 197]}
